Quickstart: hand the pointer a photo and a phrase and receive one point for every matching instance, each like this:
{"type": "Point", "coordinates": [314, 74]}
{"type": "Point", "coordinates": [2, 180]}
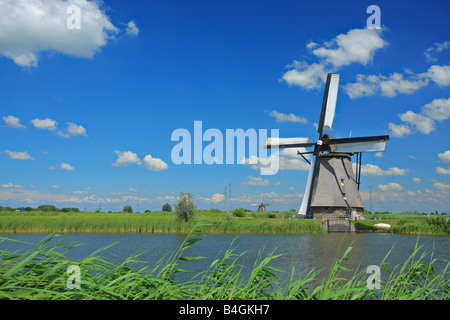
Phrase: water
{"type": "Point", "coordinates": [304, 252]}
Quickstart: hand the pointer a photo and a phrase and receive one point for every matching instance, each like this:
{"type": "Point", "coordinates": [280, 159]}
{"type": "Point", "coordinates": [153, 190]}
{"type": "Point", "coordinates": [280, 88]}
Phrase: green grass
{"type": "Point", "coordinates": [154, 222]}
{"type": "Point", "coordinates": [210, 221]}
{"type": "Point", "coordinates": [39, 273]}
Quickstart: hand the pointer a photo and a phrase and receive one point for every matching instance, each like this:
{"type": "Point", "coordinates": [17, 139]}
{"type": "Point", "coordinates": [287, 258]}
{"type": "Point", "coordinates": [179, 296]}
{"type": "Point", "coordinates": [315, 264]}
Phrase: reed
{"type": "Point", "coordinates": [39, 273]}
{"type": "Point", "coordinates": [151, 223]}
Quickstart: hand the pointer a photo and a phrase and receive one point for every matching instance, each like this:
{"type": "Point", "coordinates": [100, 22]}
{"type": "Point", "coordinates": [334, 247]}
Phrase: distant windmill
{"type": "Point", "coordinates": [331, 187]}
{"type": "Point", "coordinates": [262, 206]}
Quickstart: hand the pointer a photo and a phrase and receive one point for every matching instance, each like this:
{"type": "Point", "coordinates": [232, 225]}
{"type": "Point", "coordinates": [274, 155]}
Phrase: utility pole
{"type": "Point", "coordinates": [230, 197]}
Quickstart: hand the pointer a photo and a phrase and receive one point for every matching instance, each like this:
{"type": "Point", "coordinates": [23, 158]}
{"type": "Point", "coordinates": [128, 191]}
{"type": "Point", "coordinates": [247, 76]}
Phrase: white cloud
{"type": "Point", "coordinates": [124, 158]}
{"type": "Point", "coordinates": [356, 46]}
{"type": "Point", "coordinates": [438, 109]}
{"type": "Point", "coordinates": [422, 123]}
{"type": "Point", "coordinates": [390, 187]}
{"type": "Point", "coordinates": [132, 29]}
{"type": "Point", "coordinates": [445, 156]}
{"type": "Point", "coordinates": [306, 76]}
{"type": "Point", "coordinates": [282, 117]}
{"type": "Point", "coordinates": [11, 185]}
{"type": "Point", "coordinates": [63, 166]}
{"type": "Point", "coordinates": [215, 198]}
{"type": "Point", "coordinates": [442, 170]}
{"type": "Point", "coordinates": [67, 167]}
{"type": "Point", "coordinates": [13, 122]}
{"type": "Point", "coordinates": [379, 154]}
{"type": "Point", "coordinates": [399, 130]}
{"type": "Point", "coordinates": [441, 186]}
{"type": "Point", "coordinates": [73, 130]}
{"type": "Point", "coordinates": [19, 155]}
{"type": "Point", "coordinates": [154, 164]}
{"type": "Point", "coordinates": [55, 186]}
{"type": "Point", "coordinates": [436, 48]}
{"type": "Point", "coordinates": [374, 170]}
{"type": "Point", "coordinates": [255, 181]}
{"type": "Point", "coordinates": [417, 180]}
{"type": "Point", "coordinates": [44, 124]}
{"type": "Point", "coordinates": [388, 86]}
{"type": "Point", "coordinates": [439, 74]}
{"type": "Point", "coordinates": [28, 28]}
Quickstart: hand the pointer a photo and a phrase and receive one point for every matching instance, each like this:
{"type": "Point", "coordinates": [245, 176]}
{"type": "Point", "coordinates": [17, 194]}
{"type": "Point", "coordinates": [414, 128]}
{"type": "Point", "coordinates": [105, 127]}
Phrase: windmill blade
{"type": "Point", "coordinates": [329, 103]}
{"type": "Point", "coordinates": [272, 143]}
{"type": "Point", "coordinates": [362, 144]}
{"type": "Point", "coordinates": [304, 205]}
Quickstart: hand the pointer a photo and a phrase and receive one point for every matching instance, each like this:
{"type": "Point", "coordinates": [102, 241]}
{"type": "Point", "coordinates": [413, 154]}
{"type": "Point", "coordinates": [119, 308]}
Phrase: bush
{"type": "Point", "coordinates": [186, 208]}
{"type": "Point", "coordinates": [167, 208]}
{"type": "Point", "coordinates": [239, 213]}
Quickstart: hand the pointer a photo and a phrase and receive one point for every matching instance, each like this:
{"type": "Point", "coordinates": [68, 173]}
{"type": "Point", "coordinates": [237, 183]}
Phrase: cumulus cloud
{"type": "Point", "coordinates": [218, 197]}
{"type": "Point", "coordinates": [417, 180]}
{"type": "Point", "coordinates": [11, 185]}
{"type": "Point", "coordinates": [307, 76]}
{"type": "Point", "coordinates": [440, 170]}
{"type": "Point", "coordinates": [154, 164]}
{"type": "Point", "coordinates": [441, 186]}
{"type": "Point", "coordinates": [390, 186]}
{"type": "Point", "coordinates": [255, 181]}
{"type": "Point", "coordinates": [73, 130]}
{"type": "Point", "coordinates": [355, 46]}
{"type": "Point", "coordinates": [132, 29]}
{"type": "Point", "coordinates": [388, 86]}
{"type": "Point", "coordinates": [19, 155]}
{"type": "Point", "coordinates": [28, 28]}
{"type": "Point", "coordinates": [124, 158]}
{"type": "Point", "coordinates": [439, 74]}
{"type": "Point", "coordinates": [423, 122]}
{"type": "Point", "coordinates": [445, 156]}
{"type": "Point", "coordinates": [44, 124]}
{"type": "Point", "coordinates": [374, 170]}
{"type": "Point", "coordinates": [63, 166]}
{"type": "Point", "coordinates": [282, 117]}
{"type": "Point", "coordinates": [67, 167]}
{"type": "Point", "coordinates": [13, 122]}
{"type": "Point", "coordinates": [397, 83]}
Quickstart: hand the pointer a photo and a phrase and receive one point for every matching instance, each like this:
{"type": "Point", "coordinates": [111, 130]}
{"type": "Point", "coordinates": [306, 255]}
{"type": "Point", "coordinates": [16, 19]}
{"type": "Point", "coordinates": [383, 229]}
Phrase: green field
{"type": "Point", "coordinates": [207, 221]}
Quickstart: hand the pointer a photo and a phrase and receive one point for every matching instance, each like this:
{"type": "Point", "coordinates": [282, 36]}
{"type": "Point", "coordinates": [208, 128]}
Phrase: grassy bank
{"type": "Point", "coordinates": [40, 273]}
{"type": "Point", "coordinates": [208, 221]}
{"type": "Point", "coordinates": [154, 222]}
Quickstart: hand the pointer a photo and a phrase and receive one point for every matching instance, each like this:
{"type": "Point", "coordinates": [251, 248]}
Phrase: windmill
{"type": "Point", "coordinates": [331, 187]}
{"type": "Point", "coordinates": [262, 206]}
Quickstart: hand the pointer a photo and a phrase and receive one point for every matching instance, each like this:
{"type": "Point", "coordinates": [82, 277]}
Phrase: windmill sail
{"type": "Point", "coordinates": [329, 103]}
{"type": "Point", "coordinates": [304, 205]}
{"type": "Point", "coordinates": [287, 142]}
{"type": "Point", "coordinates": [364, 144]}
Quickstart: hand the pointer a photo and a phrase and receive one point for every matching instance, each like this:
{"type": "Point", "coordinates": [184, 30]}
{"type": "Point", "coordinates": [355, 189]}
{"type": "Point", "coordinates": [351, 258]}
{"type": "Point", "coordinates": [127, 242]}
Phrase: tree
{"type": "Point", "coordinates": [127, 209]}
{"type": "Point", "coordinates": [47, 208]}
{"type": "Point", "coordinates": [186, 208]}
{"type": "Point", "coordinates": [167, 207]}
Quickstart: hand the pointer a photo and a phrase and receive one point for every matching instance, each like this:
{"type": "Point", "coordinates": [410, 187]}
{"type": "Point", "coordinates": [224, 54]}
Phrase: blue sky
{"type": "Point", "coordinates": [87, 113]}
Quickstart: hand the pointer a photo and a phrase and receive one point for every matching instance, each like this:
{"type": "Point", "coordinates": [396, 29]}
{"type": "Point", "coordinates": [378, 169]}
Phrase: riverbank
{"type": "Point", "coordinates": [204, 222]}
